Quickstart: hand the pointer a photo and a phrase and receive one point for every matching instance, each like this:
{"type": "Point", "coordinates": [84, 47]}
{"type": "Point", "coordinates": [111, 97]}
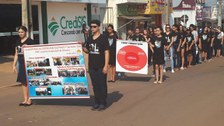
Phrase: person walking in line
{"type": "Point", "coordinates": [152, 38]}
{"type": "Point", "coordinates": [137, 36]}
{"type": "Point", "coordinates": [182, 50]}
{"type": "Point", "coordinates": [189, 38]}
{"type": "Point", "coordinates": [19, 65]}
{"type": "Point", "coordinates": [157, 48]}
{"type": "Point", "coordinates": [169, 48]}
{"type": "Point", "coordinates": [129, 35]}
{"type": "Point", "coordinates": [196, 55]}
{"type": "Point", "coordinates": [210, 46]}
{"type": "Point", "coordinates": [112, 43]}
{"type": "Point", "coordinates": [97, 47]}
{"type": "Point", "coordinates": [218, 41]}
{"type": "Point", "coordinates": [204, 40]}
{"type": "Point", "coordinates": [177, 41]}
{"type": "Point", "coordinates": [146, 35]}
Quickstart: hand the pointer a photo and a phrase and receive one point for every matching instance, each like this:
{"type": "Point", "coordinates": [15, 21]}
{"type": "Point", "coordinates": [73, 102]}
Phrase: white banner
{"type": "Point", "coordinates": [56, 71]}
{"type": "Point", "coordinates": [132, 57]}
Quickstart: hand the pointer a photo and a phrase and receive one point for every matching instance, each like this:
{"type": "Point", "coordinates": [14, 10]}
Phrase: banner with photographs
{"type": "Point", "coordinates": [132, 57]}
{"type": "Point", "coordinates": [56, 71]}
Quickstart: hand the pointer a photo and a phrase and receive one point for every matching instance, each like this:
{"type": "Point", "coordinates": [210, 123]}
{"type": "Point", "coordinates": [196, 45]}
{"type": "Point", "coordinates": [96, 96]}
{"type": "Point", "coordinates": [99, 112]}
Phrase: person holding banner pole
{"type": "Point", "coordinates": [157, 46]}
{"type": "Point", "coordinates": [97, 47]}
{"type": "Point", "coordinates": [19, 65]}
{"type": "Point", "coordinates": [112, 38]}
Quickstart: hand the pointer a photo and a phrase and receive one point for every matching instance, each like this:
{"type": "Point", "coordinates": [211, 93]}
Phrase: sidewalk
{"type": "Point", "coordinates": [8, 78]}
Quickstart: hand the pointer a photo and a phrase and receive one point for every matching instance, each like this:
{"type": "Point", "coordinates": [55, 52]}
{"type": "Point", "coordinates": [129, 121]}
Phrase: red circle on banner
{"type": "Point", "coordinates": [132, 58]}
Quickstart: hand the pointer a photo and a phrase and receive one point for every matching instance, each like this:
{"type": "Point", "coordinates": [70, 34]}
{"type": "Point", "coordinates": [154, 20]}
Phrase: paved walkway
{"type": "Point", "coordinates": [7, 77]}
{"type": "Point", "coordinates": [193, 97]}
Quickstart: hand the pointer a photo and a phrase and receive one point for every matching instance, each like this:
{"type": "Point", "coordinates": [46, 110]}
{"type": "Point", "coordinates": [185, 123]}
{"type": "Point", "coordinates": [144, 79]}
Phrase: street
{"type": "Point", "coordinates": [193, 97]}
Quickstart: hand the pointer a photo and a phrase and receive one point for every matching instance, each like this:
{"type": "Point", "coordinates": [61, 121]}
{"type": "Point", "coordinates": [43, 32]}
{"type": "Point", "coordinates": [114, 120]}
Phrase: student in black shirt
{"type": "Point", "coordinates": [129, 35]}
{"type": "Point", "coordinates": [177, 41]}
{"type": "Point", "coordinates": [210, 46]}
{"type": "Point", "coordinates": [189, 38]}
{"type": "Point", "coordinates": [204, 43]}
{"type": "Point", "coordinates": [152, 37]}
{"type": "Point", "coordinates": [137, 36]}
{"type": "Point", "coordinates": [112, 60]}
{"type": "Point", "coordinates": [157, 47]}
{"type": "Point", "coordinates": [169, 48]}
{"type": "Point", "coordinates": [218, 40]}
{"type": "Point", "coordinates": [19, 58]}
{"type": "Point", "coordinates": [98, 49]}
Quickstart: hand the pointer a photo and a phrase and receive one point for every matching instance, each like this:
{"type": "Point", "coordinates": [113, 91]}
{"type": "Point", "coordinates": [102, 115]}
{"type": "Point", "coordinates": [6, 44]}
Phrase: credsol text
{"type": "Point", "coordinates": [72, 26]}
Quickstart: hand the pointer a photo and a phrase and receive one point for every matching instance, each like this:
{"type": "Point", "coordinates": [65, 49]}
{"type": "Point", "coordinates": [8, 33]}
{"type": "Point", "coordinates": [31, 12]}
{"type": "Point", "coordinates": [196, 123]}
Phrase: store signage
{"type": "Point", "coordinates": [199, 13]}
{"type": "Point", "coordinates": [67, 27]}
{"type": "Point", "coordinates": [131, 9]}
{"type": "Point", "coordinates": [66, 24]}
{"type": "Point", "coordinates": [186, 5]}
{"type": "Point", "coordinates": [154, 8]}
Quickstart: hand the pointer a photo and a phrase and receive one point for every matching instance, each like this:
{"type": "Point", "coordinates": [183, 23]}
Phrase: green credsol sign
{"type": "Point", "coordinates": [68, 27]}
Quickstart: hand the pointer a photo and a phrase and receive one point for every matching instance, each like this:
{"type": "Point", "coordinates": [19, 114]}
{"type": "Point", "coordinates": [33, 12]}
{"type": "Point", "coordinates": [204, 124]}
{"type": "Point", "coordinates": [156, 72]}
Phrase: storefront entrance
{"type": "Point", "coordinates": [10, 21]}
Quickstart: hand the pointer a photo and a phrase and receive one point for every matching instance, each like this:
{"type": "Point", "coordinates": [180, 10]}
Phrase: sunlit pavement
{"type": "Point", "coordinates": [193, 97]}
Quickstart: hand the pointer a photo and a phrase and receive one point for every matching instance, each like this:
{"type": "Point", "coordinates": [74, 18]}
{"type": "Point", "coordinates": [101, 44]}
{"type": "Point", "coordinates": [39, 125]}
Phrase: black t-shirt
{"type": "Point", "coordinates": [159, 43]}
{"type": "Point", "coordinates": [176, 38]}
{"type": "Point", "coordinates": [97, 50]}
{"type": "Point", "coordinates": [168, 38]}
{"type": "Point", "coordinates": [112, 42]}
{"type": "Point", "coordinates": [182, 35]}
{"type": "Point", "coordinates": [138, 38]}
{"type": "Point", "coordinates": [189, 39]}
{"type": "Point", "coordinates": [129, 37]}
{"type": "Point", "coordinates": [204, 38]}
{"type": "Point", "coordinates": [19, 45]}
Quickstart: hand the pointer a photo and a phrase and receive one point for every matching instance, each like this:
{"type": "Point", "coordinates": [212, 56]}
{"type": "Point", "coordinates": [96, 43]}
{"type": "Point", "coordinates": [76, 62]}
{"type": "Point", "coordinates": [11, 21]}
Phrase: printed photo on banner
{"type": "Point", "coordinates": [74, 89]}
{"type": "Point", "coordinates": [44, 82]}
{"type": "Point", "coordinates": [43, 91]}
{"type": "Point", "coordinates": [39, 72]}
{"type": "Point", "coordinates": [38, 63]}
{"type": "Point", "coordinates": [58, 61]}
{"type": "Point", "coordinates": [75, 72]}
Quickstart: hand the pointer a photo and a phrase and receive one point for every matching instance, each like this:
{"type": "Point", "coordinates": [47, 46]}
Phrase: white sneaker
{"type": "Point", "coordinates": [182, 68]}
{"type": "Point", "coordinates": [153, 75]}
{"type": "Point", "coordinates": [172, 71]}
{"type": "Point", "coordinates": [164, 70]}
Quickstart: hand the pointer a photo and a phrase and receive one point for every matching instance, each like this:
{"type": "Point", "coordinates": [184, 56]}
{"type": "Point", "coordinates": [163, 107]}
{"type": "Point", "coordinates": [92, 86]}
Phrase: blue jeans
{"type": "Point", "coordinates": [176, 57]}
{"type": "Point", "coordinates": [171, 53]}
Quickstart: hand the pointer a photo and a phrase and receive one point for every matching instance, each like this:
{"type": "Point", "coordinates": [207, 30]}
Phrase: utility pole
{"type": "Point", "coordinates": [167, 12]}
{"type": "Point", "coordinates": [220, 13]}
{"type": "Point", "coordinates": [27, 16]}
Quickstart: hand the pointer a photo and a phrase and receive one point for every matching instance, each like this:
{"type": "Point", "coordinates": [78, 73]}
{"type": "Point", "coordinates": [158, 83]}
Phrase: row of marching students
{"type": "Point", "coordinates": [180, 45]}
{"type": "Point", "coordinates": [183, 47]}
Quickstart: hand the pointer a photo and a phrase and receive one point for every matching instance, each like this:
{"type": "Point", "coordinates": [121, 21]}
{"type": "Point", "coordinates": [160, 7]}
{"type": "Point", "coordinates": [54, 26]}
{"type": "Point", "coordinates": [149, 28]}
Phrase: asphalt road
{"type": "Point", "coordinates": [193, 97]}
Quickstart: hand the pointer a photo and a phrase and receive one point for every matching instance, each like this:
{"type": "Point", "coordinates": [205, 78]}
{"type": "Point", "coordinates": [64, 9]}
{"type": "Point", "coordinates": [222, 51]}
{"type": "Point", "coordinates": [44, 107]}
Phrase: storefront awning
{"type": "Point", "coordinates": [135, 17]}
{"type": "Point", "coordinates": [76, 1]}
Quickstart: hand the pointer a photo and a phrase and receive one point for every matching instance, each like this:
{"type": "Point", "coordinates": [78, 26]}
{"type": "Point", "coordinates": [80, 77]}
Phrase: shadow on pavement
{"type": "Point", "coordinates": [4, 59]}
{"type": "Point", "coordinates": [133, 78]}
{"type": "Point", "coordinates": [112, 98]}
